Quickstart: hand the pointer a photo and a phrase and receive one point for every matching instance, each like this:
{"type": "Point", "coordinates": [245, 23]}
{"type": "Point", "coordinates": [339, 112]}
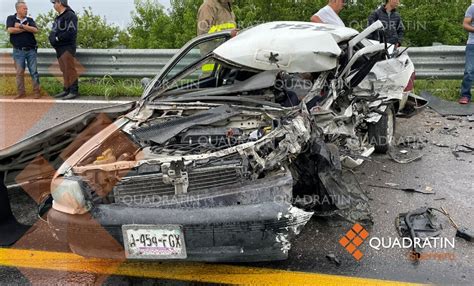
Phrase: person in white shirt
{"type": "Point", "coordinates": [330, 13]}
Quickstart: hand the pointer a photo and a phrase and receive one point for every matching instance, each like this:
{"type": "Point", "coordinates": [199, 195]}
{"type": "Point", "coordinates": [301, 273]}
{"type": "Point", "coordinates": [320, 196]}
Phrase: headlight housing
{"type": "Point", "coordinates": [68, 196]}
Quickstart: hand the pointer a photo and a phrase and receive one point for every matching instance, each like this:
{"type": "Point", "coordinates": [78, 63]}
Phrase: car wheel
{"type": "Point", "coordinates": [382, 133]}
{"type": "Point", "coordinates": [10, 228]}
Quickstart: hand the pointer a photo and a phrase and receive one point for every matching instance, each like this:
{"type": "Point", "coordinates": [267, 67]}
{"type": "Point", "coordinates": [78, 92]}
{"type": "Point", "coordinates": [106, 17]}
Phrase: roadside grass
{"type": "Point", "coordinates": [445, 89]}
{"type": "Point", "coordinates": [107, 87]}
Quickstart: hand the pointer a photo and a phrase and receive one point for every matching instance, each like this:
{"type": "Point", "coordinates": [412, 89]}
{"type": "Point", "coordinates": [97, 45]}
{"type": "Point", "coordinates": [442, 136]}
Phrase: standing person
{"type": "Point", "coordinates": [63, 39]}
{"type": "Point", "coordinates": [22, 29]}
{"type": "Point", "coordinates": [329, 14]}
{"type": "Point", "coordinates": [392, 22]}
{"type": "Point", "coordinates": [469, 67]}
{"type": "Point", "coordinates": [215, 16]}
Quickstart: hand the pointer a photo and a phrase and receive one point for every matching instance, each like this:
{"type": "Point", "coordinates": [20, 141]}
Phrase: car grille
{"type": "Point", "coordinates": [199, 180]}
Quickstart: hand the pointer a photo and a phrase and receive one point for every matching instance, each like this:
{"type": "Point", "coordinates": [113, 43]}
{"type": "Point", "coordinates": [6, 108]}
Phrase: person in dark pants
{"type": "Point", "coordinates": [22, 29]}
{"type": "Point", "coordinates": [63, 38]}
{"type": "Point", "coordinates": [392, 22]}
{"type": "Point", "coordinates": [466, 87]}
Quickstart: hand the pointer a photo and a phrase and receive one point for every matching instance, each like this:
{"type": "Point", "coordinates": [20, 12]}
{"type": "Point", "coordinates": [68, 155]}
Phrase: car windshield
{"type": "Point", "coordinates": [199, 74]}
{"type": "Point", "coordinates": [213, 79]}
{"type": "Point", "coordinates": [191, 53]}
{"type": "Point", "coordinates": [194, 55]}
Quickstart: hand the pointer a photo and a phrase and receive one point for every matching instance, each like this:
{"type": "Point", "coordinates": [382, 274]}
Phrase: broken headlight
{"type": "Point", "coordinates": [68, 196]}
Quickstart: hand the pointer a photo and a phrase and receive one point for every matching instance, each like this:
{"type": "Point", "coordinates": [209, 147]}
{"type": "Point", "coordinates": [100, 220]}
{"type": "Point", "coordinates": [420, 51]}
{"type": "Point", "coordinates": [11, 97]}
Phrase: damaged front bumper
{"type": "Point", "coordinates": [246, 223]}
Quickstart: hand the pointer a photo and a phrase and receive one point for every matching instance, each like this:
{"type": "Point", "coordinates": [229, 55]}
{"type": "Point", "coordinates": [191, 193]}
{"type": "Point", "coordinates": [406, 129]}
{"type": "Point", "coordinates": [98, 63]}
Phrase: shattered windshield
{"type": "Point", "coordinates": [230, 83]}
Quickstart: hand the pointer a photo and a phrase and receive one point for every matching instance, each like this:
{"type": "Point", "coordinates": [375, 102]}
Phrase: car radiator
{"type": "Point", "coordinates": [141, 186]}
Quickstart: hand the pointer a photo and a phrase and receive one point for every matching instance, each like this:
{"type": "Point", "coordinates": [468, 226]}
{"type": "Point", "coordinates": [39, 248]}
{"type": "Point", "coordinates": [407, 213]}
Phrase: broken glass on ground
{"type": "Point", "coordinates": [405, 156]}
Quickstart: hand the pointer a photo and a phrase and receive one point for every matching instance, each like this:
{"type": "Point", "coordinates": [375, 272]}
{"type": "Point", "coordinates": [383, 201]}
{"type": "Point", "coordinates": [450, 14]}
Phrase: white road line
{"type": "Point", "coordinates": [64, 101]}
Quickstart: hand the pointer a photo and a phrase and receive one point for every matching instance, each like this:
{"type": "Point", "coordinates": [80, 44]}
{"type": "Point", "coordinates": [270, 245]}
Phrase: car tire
{"type": "Point", "coordinates": [382, 133]}
{"type": "Point", "coordinates": [10, 228]}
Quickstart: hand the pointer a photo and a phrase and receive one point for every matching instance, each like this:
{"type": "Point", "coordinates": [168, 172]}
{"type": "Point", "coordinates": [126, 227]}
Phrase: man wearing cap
{"type": "Point", "coordinates": [63, 39]}
{"type": "Point", "coordinates": [22, 29]}
{"type": "Point", "coordinates": [329, 14]}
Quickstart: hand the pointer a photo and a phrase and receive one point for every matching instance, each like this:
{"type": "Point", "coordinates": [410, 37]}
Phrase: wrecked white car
{"type": "Point", "coordinates": [232, 148]}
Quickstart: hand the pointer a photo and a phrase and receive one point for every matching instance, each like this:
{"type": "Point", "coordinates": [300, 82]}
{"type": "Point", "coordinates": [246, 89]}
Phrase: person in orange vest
{"type": "Point", "coordinates": [215, 16]}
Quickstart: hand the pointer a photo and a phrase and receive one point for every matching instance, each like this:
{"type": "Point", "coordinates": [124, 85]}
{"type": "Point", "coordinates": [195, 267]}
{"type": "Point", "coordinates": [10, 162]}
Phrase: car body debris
{"type": "Point", "coordinates": [406, 157]}
{"type": "Point", "coordinates": [333, 259]}
{"type": "Point", "coordinates": [418, 224]}
{"type": "Point", "coordinates": [427, 191]}
{"type": "Point", "coordinates": [461, 232]}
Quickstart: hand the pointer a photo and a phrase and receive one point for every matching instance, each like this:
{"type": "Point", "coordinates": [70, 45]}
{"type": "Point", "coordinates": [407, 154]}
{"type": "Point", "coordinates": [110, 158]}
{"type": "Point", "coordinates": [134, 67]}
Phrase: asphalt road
{"type": "Point", "coordinates": [448, 175]}
{"type": "Point", "coordinates": [451, 179]}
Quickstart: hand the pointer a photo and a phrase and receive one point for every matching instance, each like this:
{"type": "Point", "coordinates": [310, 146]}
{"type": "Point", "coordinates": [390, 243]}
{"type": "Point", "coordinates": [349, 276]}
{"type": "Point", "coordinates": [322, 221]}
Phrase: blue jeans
{"type": "Point", "coordinates": [23, 59]}
{"type": "Point", "coordinates": [468, 72]}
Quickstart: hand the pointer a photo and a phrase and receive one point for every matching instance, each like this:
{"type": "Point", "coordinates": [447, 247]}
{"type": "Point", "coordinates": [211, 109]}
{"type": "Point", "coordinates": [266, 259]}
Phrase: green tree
{"type": "Point", "coordinates": [94, 31]}
{"type": "Point", "coordinates": [435, 21]}
{"type": "Point", "coordinates": [3, 36]}
{"type": "Point", "coordinates": [250, 12]}
{"type": "Point", "coordinates": [426, 21]}
{"type": "Point", "coordinates": [183, 14]}
{"type": "Point", "coordinates": [151, 26]}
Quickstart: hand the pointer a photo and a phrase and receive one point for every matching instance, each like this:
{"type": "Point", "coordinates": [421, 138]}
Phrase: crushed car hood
{"type": "Point", "coordinates": [287, 46]}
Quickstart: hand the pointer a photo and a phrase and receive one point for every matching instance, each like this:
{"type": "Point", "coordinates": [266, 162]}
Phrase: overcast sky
{"type": "Point", "coordinates": [115, 11]}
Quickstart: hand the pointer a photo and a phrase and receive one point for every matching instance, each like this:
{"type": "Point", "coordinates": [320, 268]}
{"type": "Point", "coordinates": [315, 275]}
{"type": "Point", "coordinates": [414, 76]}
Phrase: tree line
{"type": "Point", "coordinates": [154, 27]}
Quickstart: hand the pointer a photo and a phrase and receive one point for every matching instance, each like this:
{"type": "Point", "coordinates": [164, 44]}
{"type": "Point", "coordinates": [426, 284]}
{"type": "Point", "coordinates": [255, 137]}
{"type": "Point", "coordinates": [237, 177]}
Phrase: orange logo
{"type": "Point", "coordinates": [353, 239]}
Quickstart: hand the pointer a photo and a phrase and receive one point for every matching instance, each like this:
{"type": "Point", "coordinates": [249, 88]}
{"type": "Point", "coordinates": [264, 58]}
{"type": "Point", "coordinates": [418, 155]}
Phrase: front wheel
{"type": "Point", "coordinates": [382, 133]}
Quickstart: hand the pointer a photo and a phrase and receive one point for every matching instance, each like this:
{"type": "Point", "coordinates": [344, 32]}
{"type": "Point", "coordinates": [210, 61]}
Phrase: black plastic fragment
{"type": "Point", "coordinates": [10, 230]}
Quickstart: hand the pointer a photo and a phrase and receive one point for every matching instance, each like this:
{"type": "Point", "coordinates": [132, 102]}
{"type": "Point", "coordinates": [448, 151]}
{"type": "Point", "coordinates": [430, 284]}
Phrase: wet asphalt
{"type": "Point", "coordinates": [452, 181]}
{"type": "Point", "coordinates": [450, 176]}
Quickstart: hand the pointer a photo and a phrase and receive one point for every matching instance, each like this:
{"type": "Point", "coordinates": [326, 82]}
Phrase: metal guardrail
{"type": "Point", "coordinates": [444, 62]}
{"type": "Point", "coordinates": [98, 63]}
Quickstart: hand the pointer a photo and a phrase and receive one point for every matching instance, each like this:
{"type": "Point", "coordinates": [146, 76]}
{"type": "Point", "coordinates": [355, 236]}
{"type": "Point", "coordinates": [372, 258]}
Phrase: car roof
{"type": "Point", "coordinates": [287, 45]}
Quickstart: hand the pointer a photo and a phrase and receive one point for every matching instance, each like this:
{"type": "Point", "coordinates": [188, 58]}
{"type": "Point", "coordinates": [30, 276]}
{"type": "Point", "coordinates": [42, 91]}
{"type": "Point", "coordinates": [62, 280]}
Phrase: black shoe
{"type": "Point", "coordinates": [62, 94]}
{"type": "Point", "coordinates": [70, 96]}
